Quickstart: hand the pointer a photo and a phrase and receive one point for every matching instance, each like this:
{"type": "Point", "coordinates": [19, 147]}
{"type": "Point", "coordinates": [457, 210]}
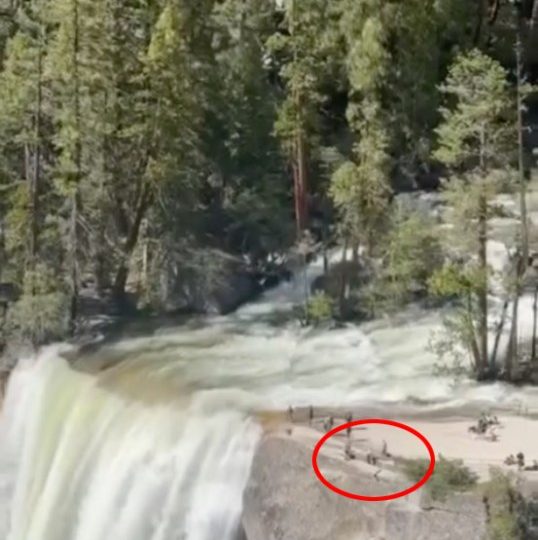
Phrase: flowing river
{"type": "Point", "coordinates": [158, 445]}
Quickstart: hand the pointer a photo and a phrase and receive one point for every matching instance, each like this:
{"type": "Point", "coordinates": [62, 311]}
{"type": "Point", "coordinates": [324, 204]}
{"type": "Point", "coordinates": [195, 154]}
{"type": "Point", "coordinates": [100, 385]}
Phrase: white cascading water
{"type": "Point", "coordinates": [94, 465]}
{"type": "Point", "coordinates": [159, 446]}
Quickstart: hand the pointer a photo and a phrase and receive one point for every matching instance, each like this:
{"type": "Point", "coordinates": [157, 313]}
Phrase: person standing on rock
{"type": "Point", "coordinates": [290, 413]}
{"type": "Point", "coordinates": [348, 451]}
{"type": "Point", "coordinates": [384, 450]}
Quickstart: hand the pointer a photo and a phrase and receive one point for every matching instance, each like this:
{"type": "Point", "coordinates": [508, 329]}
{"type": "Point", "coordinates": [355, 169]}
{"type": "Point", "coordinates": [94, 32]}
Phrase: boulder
{"type": "Point", "coordinates": [284, 500]}
{"type": "Point", "coordinates": [233, 291]}
{"type": "Point", "coordinates": [188, 293]}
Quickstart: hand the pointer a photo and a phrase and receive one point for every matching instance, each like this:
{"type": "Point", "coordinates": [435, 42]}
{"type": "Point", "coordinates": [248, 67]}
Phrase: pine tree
{"type": "Point", "coordinates": [360, 188]}
{"type": "Point", "coordinates": [32, 231]}
{"type": "Point", "coordinates": [475, 143]}
{"type": "Point", "coordinates": [253, 191]}
{"type": "Point", "coordinates": [103, 110]}
{"type": "Point", "coordinates": [132, 190]}
{"type": "Point", "coordinates": [297, 123]}
{"type": "Point", "coordinates": [22, 86]}
{"type": "Point", "coordinates": [64, 69]}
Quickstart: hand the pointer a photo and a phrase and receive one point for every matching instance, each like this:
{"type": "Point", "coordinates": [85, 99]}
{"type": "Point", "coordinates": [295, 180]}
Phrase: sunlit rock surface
{"type": "Point", "coordinates": [284, 500]}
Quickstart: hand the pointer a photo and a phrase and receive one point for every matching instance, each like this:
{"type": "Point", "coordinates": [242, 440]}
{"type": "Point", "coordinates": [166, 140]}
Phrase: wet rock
{"type": "Point", "coordinates": [233, 286]}
{"type": "Point", "coordinates": [234, 291]}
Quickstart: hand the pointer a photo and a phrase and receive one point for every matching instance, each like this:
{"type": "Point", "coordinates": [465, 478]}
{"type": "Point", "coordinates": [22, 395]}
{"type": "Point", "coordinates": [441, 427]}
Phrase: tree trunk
{"type": "Point", "coordinates": [498, 334]}
{"type": "Point", "coordinates": [3, 256]}
{"type": "Point", "coordinates": [306, 291]}
{"type": "Point", "coordinates": [73, 262]}
{"type": "Point", "coordinates": [35, 179]}
{"type": "Point", "coordinates": [325, 242]}
{"type": "Point", "coordinates": [475, 349]}
{"type": "Point", "coordinates": [299, 158]}
{"type": "Point", "coordinates": [521, 164]}
{"type": "Point", "coordinates": [511, 355]}
{"type": "Point", "coordinates": [303, 181]}
{"type": "Point", "coordinates": [122, 272]}
{"type": "Point", "coordinates": [483, 289]}
{"type": "Point", "coordinates": [534, 323]}
{"type": "Point", "coordinates": [355, 254]}
{"type": "Point", "coordinates": [75, 196]}
{"type": "Point", "coordinates": [145, 271]}
{"type": "Point", "coordinates": [512, 352]}
{"type": "Point", "coordinates": [494, 6]}
{"type": "Point", "coordinates": [300, 181]}
{"type": "Point", "coordinates": [479, 21]}
{"type": "Point", "coordinates": [100, 266]}
{"type": "Point", "coordinates": [343, 280]}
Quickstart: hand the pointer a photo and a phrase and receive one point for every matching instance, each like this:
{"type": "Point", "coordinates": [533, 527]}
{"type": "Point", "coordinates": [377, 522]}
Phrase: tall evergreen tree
{"type": "Point", "coordinates": [22, 124]}
{"type": "Point", "coordinates": [360, 188]}
{"type": "Point", "coordinates": [475, 143]}
{"type": "Point", "coordinates": [297, 123]}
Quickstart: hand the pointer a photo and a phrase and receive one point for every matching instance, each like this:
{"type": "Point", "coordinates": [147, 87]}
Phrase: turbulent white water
{"type": "Point", "coordinates": [159, 447]}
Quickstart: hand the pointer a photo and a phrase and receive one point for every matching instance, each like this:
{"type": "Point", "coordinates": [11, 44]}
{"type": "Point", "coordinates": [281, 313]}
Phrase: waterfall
{"type": "Point", "coordinates": [92, 464]}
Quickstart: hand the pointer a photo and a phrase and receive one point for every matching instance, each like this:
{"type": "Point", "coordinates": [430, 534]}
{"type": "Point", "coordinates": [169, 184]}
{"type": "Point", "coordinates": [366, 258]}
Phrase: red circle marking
{"type": "Point", "coordinates": [357, 496]}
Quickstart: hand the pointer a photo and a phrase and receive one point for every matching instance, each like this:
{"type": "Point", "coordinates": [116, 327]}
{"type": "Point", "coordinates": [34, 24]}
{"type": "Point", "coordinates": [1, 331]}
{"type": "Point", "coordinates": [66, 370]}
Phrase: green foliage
{"type": "Point", "coordinates": [466, 194]}
{"type": "Point", "coordinates": [453, 280]}
{"type": "Point", "coordinates": [503, 506]}
{"type": "Point", "coordinates": [174, 122]}
{"type": "Point", "coordinates": [360, 188]}
{"type": "Point", "coordinates": [320, 308]}
{"type": "Point", "coordinates": [455, 345]}
{"type": "Point", "coordinates": [306, 53]}
{"type": "Point", "coordinates": [450, 476]}
{"type": "Point", "coordinates": [360, 191]}
{"type": "Point", "coordinates": [475, 139]}
{"type": "Point", "coordinates": [413, 254]}
{"type": "Point", "coordinates": [39, 315]}
{"type": "Point", "coordinates": [479, 130]}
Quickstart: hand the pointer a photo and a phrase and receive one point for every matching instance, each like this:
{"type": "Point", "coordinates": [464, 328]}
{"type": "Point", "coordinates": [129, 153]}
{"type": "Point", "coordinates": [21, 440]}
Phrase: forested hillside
{"type": "Point", "coordinates": [154, 147]}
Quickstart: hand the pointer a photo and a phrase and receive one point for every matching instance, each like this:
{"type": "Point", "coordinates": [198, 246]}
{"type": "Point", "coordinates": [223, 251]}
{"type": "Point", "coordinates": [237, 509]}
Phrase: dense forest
{"type": "Point", "coordinates": [151, 149]}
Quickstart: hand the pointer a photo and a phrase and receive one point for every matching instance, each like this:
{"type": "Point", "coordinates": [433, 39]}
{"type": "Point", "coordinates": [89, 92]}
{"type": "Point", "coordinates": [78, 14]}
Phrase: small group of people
{"type": "Point", "coordinates": [519, 461]}
{"type": "Point", "coordinates": [291, 414]}
{"type": "Point", "coordinates": [328, 424]}
{"type": "Point", "coordinates": [487, 426]}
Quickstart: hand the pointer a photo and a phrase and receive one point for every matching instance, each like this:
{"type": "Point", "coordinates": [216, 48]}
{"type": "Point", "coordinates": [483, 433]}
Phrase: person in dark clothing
{"type": "Point", "coordinates": [348, 452]}
{"type": "Point", "coordinates": [290, 413]}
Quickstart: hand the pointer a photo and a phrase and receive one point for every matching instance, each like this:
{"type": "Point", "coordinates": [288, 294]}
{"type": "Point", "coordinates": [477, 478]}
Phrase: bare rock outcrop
{"type": "Point", "coordinates": [285, 501]}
